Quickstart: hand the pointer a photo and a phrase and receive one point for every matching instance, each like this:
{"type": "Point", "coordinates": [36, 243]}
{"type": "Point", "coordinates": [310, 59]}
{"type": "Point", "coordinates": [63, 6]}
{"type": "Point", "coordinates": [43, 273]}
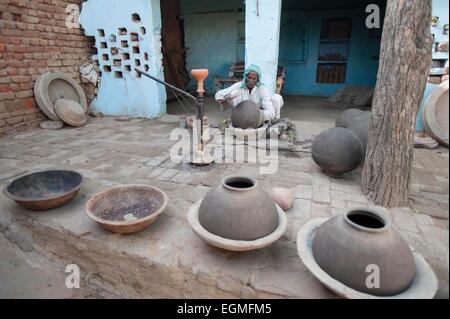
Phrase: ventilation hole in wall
{"type": "Point", "coordinates": [107, 68]}
{"type": "Point", "coordinates": [124, 43]}
{"type": "Point", "coordinates": [16, 17]}
{"type": "Point", "coordinates": [101, 32]}
{"type": "Point", "coordinates": [146, 56]}
{"type": "Point", "coordinates": [114, 51]}
{"type": "Point", "coordinates": [137, 62]}
{"type": "Point", "coordinates": [105, 57]}
{"type": "Point", "coordinates": [143, 31]}
{"type": "Point", "coordinates": [138, 74]}
{"type": "Point", "coordinates": [127, 68]}
{"type": "Point", "coordinates": [122, 31]}
{"type": "Point", "coordinates": [136, 50]}
{"type": "Point", "coordinates": [134, 37]}
{"type": "Point", "coordinates": [125, 56]}
{"type": "Point", "coordinates": [112, 38]}
{"type": "Point", "coordinates": [117, 63]}
{"type": "Point", "coordinates": [103, 45]}
{"type": "Point", "coordinates": [135, 18]}
{"type": "Point", "coordinates": [118, 74]}
{"type": "Point", "coordinates": [146, 68]}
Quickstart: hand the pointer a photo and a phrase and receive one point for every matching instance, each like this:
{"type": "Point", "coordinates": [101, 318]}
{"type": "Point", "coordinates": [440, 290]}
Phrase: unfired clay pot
{"type": "Point", "coordinates": [346, 117]}
{"type": "Point", "coordinates": [348, 247]}
{"type": "Point", "coordinates": [247, 115]}
{"type": "Point", "coordinates": [238, 209]}
{"type": "Point", "coordinates": [360, 126]}
{"type": "Point", "coordinates": [337, 151]}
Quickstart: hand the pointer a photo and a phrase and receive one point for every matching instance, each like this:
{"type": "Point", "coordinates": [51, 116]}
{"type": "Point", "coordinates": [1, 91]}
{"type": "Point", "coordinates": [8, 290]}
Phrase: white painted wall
{"type": "Point", "coordinates": [262, 31]}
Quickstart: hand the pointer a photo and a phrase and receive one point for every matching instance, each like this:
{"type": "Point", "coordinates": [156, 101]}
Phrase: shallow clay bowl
{"type": "Point", "coordinates": [44, 190]}
{"type": "Point", "coordinates": [127, 209]}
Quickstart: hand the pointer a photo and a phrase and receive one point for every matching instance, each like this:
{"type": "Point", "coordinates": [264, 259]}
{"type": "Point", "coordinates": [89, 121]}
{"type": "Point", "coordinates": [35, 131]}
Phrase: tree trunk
{"type": "Point", "coordinates": [405, 60]}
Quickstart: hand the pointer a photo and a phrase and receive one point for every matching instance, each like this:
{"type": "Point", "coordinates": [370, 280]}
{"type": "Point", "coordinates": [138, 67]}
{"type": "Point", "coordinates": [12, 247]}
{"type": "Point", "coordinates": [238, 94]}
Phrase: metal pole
{"type": "Point", "coordinates": [166, 84]}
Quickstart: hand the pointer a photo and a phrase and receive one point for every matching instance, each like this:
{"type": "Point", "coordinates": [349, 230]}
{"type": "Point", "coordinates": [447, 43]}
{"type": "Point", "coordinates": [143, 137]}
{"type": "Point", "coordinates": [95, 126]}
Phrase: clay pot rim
{"type": "Point", "coordinates": [231, 244]}
{"type": "Point", "coordinates": [55, 196]}
{"type": "Point", "coordinates": [239, 177]}
{"type": "Point", "coordinates": [367, 212]}
{"type": "Point", "coordinates": [89, 203]}
{"type": "Point", "coordinates": [424, 285]}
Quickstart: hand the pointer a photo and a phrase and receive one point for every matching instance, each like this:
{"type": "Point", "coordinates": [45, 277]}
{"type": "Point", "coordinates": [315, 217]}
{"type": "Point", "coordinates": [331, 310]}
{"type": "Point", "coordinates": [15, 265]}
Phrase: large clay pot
{"type": "Point", "coordinates": [337, 151]}
{"type": "Point", "coordinates": [349, 247]}
{"type": "Point", "coordinates": [360, 126]}
{"type": "Point", "coordinates": [347, 116]}
{"type": "Point", "coordinates": [238, 209]}
{"type": "Point", "coordinates": [247, 115]}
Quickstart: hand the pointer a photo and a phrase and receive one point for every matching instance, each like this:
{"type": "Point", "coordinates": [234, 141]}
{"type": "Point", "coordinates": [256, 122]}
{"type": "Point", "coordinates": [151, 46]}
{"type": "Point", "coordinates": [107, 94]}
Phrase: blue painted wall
{"type": "Point", "coordinates": [211, 42]}
{"type": "Point", "coordinates": [211, 37]}
{"type": "Point", "coordinates": [122, 91]}
{"type": "Point", "coordinates": [362, 67]}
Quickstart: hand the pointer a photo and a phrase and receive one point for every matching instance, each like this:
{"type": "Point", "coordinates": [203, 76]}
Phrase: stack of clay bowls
{"type": "Point", "coordinates": [62, 99]}
{"type": "Point", "coordinates": [238, 215]}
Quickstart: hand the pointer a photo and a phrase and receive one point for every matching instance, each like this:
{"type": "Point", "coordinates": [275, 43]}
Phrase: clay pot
{"type": "Point", "coordinates": [337, 151]}
{"type": "Point", "coordinates": [360, 126]}
{"type": "Point", "coordinates": [348, 246]}
{"type": "Point", "coordinates": [238, 209]}
{"type": "Point", "coordinates": [346, 117]}
{"type": "Point", "coordinates": [247, 115]}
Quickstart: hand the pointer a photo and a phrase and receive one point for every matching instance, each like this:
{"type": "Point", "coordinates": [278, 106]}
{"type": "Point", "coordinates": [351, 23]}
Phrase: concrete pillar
{"type": "Point", "coordinates": [262, 35]}
{"type": "Point", "coordinates": [127, 35]}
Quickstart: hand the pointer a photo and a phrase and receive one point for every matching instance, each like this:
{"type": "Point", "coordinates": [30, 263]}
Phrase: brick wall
{"type": "Point", "coordinates": [34, 39]}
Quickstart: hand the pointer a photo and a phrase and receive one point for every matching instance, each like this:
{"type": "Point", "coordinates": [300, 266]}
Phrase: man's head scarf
{"type": "Point", "coordinates": [252, 68]}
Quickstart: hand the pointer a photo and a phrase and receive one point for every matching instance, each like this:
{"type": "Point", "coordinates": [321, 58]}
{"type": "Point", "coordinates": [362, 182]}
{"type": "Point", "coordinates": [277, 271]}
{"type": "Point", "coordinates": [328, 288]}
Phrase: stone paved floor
{"type": "Point", "coordinates": [168, 260]}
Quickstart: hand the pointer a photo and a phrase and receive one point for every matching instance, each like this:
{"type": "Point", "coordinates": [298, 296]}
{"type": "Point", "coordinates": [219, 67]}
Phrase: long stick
{"type": "Point", "coordinates": [166, 84]}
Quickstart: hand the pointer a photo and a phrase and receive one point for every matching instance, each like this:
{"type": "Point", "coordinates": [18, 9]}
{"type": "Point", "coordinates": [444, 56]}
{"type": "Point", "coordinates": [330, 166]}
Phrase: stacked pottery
{"type": "Point", "coordinates": [238, 216]}
{"type": "Point", "coordinates": [239, 210]}
{"type": "Point", "coordinates": [361, 242]}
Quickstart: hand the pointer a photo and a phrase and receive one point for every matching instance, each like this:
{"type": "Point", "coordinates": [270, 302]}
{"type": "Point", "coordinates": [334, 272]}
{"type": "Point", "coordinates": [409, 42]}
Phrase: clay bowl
{"type": "Point", "coordinates": [44, 190]}
{"type": "Point", "coordinates": [127, 209]}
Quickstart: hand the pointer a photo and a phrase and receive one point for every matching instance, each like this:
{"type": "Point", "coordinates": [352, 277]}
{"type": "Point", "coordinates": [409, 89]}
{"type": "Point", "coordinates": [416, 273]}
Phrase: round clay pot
{"type": "Point", "coordinates": [337, 151]}
{"type": "Point", "coordinates": [349, 247]}
{"type": "Point", "coordinates": [238, 209]}
{"type": "Point", "coordinates": [360, 126]}
{"type": "Point", "coordinates": [346, 117]}
{"type": "Point", "coordinates": [247, 115]}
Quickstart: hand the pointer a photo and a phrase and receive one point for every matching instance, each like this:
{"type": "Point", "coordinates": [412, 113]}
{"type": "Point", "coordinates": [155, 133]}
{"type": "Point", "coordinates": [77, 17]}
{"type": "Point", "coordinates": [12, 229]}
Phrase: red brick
{"type": "Point", "coordinates": [28, 103]}
{"type": "Point", "coordinates": [15, 120]}
{"type": "Point", "coordinates": [21, 78]}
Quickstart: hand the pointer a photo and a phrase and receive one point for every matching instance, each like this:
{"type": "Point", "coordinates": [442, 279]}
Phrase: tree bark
{"type": "Point", "coordinates": [405, 59]}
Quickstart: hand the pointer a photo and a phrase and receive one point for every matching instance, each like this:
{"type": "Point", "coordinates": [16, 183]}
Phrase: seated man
{"type": "Point", "coordinates": [251, 88]}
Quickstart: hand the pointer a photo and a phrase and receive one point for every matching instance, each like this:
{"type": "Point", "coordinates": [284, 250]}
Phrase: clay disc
{"type": "Point", "coordinates": [52, 86]}
{"type": "Point", "coordinates": [70, 112]}
{"type": "Point", "coordinates": [51, 125]}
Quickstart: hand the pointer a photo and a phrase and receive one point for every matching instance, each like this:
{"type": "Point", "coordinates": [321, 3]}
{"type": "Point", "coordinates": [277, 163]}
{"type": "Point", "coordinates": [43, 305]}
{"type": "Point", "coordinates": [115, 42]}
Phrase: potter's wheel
{"type": "Point", "coordinates": [424, 286]}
